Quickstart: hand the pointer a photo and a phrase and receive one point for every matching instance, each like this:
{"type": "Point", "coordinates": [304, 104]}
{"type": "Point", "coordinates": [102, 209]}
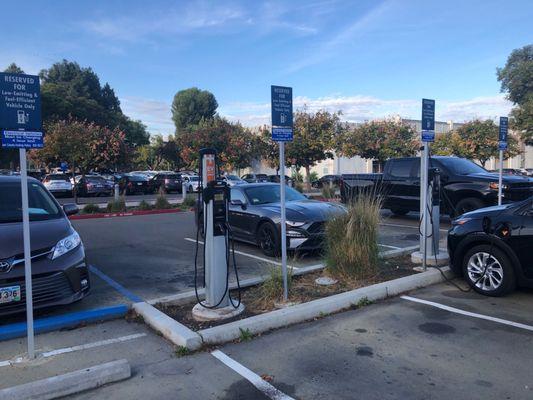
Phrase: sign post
{"type": "Point", "coordinates": [282, 132]}
{"type": "Point", "coordinates": [428, 135]}
{"type": "Point", "coordinates": [502, 146]}
{"type": "Point", "coordinates": [20, 124]}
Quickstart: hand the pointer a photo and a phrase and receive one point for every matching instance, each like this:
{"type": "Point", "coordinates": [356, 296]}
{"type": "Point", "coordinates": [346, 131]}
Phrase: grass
{"type": "Point", "coordinates": [144, 206]}
{"type": "Point", "coordinates": [161, 202]}
{"type": "Point", "coordinates": [116, 205]}
{"type": "Point", "coordinates": [182, 351]}
{"type": "Point", "coordinates": [90, 209]}
{"type": "Point", "coordinates": [352, 250]}
{"type": "Point", "coordinates": [271, 290]}
{"type": "Point", "coordinates": [328, 192]}
{"type": "Point", "coordinates": [190, 200]}
{"type": "Point", "coordinates": [245, 335]}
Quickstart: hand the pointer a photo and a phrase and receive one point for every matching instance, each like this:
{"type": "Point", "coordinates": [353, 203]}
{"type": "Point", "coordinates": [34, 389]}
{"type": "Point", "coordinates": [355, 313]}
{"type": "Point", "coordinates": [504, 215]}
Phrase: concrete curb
{"type": "Point", "coordinates": [320, 307]}
{"type": "Point", "coordinates": [73, 382]}
{"type": "Point", "coordinates": [177, 333]}
{"type": "Point", "coordinates": [125, 214]}
{"type": "Point", "coordinates": [187, 297]}
{"type": "Point", "coordinates": [399, 252]}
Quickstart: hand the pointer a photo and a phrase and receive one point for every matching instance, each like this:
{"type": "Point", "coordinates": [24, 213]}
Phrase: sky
{"type": "Point", "coordinates": [366, 58]}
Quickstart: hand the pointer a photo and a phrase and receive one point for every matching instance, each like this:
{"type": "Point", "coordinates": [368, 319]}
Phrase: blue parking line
{"type": "Point", "coordinates": [69, 320]}
{"type": "Point", "coordinates": [117, 286]}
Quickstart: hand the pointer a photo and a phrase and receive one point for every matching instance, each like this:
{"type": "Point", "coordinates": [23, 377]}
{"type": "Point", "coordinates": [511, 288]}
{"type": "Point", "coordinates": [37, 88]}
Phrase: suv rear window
{"type": "Point", "coordinates": [42, 205]}
{"type": "Point", "coordinates": [401, 168]}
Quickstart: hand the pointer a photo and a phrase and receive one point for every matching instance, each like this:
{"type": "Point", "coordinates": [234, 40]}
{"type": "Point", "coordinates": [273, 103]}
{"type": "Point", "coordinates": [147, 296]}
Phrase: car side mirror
{"type": "Point", "coordinates": [238, 202]}
{"type": "Point", "coordinates": [70, 209]}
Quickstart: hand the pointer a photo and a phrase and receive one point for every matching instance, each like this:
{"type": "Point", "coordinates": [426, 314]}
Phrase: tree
{"type": "Point", "coordinates": [236, 147]}
{"type": "Point", "coordinates": [14, 69]}
{"type": "Point", "coordinates": [158, 154]}
{"type": "Point", "coordinates": [267, 148]}
{"type": "Point", "coordinates": [314, 135]}
{"type": "Point", "coordinates": [190, 106]}
{"type": "Point", "coordinates": [379, 140]}
{"type": "Point", "coordinates": [517, 80]}
{"type": "Point", "coordinates": [68, 90]}
{"type": "Point", "coordinates": [475, 140]}
{"type": "Point", "coordinates": [83, 145]}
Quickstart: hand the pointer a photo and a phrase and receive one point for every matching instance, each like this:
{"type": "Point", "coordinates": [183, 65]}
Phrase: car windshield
{"type": "Point", "coordinates": [271, 194]}
{"type": "Point", "coordinates": [57, 178]}
{"type": "Point", "coordinates": [41, 205]}
{"type": "Point", "coordinates": [460, 166]}
{"type": "Point", "coordinates": [95, 179]}
{"type": "Point", "coordinates": [137, 178]}
{"type": "Point", "coordinates": [193, 178]}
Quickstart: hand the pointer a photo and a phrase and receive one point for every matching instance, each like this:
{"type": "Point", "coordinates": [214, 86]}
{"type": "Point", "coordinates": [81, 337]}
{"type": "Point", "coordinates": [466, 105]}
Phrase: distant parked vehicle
{"type": "Point", "coordinates": [58, 184]}
{"type": "Point", "coordinates": [135, 184]}
{"type": "Point", "coordinates": [326, 180]}
{"type": "Point", "coordinates": [276, 179]}
{"type": "Point", "coordinates": [192, 182]}
{"type": "Point", "coordinates": [92, 185]}
{"type": "Point", "coordinates": [232, 180]}
{"type": "Point", "coordinates": [168, 181]}
{"type": "Point", "coordinates": [255, 178]}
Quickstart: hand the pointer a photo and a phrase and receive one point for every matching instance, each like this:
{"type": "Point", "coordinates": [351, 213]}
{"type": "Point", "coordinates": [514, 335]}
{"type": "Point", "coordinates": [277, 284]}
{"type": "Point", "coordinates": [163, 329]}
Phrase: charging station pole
{"type": "Point", "coordinates": [20, 125]}
{"type": "Point", "coordinates": [502, 146]}
{"type": "Point", "coordinates": [428, 135]}
{"type": "Point", "coordinates": [282, 131]}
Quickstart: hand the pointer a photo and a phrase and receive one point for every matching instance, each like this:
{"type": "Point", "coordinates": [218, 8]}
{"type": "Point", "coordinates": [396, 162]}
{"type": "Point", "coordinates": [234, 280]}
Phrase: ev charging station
{"type": "Point", "coordinates": [429, 195]}
{"type": "Point", "coordinates": [502, 146]}
{"type": "Point", "coordinates": [214, 195]}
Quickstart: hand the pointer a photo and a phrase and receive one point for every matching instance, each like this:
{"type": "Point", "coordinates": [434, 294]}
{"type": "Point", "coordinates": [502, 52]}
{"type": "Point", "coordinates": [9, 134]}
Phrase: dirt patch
{"type": "Point", "coordinates": [303, 289]}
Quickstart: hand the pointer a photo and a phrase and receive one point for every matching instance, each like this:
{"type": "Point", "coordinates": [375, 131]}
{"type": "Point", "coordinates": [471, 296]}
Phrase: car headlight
{"type": "Point", "coordinates": [461, 221]}
{"type": "Point", "coordinates": [67, 244]}
{"type": "Point", "coordinates": [294, 224]}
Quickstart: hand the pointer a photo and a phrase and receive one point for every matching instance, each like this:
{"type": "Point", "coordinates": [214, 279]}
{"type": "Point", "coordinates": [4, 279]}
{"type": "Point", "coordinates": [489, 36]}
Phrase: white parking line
{"type": "Point", "coordinates": [469, 314]}
{"type": "Point", "coordinates": [248, 255]}
{"type": "Point", "coordinates": [65, 350]}
{"type": "Point", "coordinates": [266, 388]}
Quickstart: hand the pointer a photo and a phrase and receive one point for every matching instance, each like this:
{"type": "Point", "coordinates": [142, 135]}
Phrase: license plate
{"type": "Point", "coordinates": [9, 294]}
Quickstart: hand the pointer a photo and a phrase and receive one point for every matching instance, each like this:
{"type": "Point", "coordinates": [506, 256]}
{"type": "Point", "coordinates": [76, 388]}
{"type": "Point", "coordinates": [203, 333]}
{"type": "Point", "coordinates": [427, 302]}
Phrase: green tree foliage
{"type": "Point", "coordinates": [190, 106]}
{"type": "Point", "coordinates": [236, 146]}
{"type": "Point", "coordinates": [314, 138]}
{"type": "Point", "coordinates": [83, 145]}
{"type": "Point", "coordinates": [68, 90]}
{"type": "Point", "coordinates": [517, 80]}
{"type": "Point", "coordinates": [14, 69]}
{"type": "Point", "coordinates": [475, 140]}
{"type": "Point", "coordinates": [159, 154]}
{"type": "Point", "coordinates": [379, 140]}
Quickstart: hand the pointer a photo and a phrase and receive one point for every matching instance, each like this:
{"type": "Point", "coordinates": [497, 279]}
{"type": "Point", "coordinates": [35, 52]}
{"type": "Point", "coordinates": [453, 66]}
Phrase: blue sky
{"type": "Point", "coordinates": [367, 58]}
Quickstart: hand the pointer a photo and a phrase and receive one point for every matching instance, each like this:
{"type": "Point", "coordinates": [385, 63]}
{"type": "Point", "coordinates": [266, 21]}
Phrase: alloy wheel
{"type": "Point", "coordinates": [485, 271]}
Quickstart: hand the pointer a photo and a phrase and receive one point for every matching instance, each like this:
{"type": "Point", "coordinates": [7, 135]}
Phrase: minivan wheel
{"type": "Point", "coordinates": [267, 239]}
{"type": "Point", "coordinates": [467, 205]}
{"type": "Point", "coordinates": [488, 271]}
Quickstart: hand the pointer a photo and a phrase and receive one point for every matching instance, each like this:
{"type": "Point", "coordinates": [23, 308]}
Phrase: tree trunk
{"type": "Point", "coordinates": [307, 178]}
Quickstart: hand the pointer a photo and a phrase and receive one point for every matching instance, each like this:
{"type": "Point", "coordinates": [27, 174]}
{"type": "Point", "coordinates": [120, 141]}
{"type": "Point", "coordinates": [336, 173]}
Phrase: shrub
{"type": "Point", "coordinates": [297, 177]}
{"type": "Point", "coordinates": [190, 200]}
{"type": "Point", "coordinates": [313, 176]}
{"type": "Point", "coordinates": [328, 192]}
{"type": "Point", "coordinates": [352, 250]}
{"type": "Point", "coordinates": [161, 202]}
{"type": "Point", "coordinates": [299, 186]}
{"type": "Point", "coordinates": [117, 205]}
{"type": "Point", "coordinates": [271, 290]}
{"type": "Point", "coordinates": [90, 209]}
{"type": "Point", "coordinates": [144, 206]}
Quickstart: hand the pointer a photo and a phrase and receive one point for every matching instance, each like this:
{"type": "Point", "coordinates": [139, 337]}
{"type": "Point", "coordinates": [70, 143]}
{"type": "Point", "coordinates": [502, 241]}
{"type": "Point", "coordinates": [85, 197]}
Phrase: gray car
{"type": "Point", "coordinates": [59, 267]}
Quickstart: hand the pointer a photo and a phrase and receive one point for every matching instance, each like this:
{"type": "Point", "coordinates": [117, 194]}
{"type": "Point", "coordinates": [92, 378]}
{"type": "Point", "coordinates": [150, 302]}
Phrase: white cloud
{"type": "Point", "coordinates": [155, 114]}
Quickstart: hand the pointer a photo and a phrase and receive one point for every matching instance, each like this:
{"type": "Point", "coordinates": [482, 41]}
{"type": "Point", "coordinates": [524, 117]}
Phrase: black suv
{"type": "Point", "coordinates": [493, 247]}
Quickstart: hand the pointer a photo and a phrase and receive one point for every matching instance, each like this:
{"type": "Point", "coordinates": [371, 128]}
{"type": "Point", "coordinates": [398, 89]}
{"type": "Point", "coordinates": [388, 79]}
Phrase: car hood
{"type": "Point", "coordinates": [307, 210]}
{"type": "Point", "coordinates": [43, 235]}
{"type": "Point", "coordinates": [488, 211]}
{"type": "Point", "coordinates": [492, 177]}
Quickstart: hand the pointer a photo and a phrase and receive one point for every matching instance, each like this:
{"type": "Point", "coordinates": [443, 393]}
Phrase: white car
{"type": "Point", "coordinates": [233, 180]}
{"type": "Point", "coordinates": [58, 184]}
{"type": "Point", "coordinates": [192, 182]}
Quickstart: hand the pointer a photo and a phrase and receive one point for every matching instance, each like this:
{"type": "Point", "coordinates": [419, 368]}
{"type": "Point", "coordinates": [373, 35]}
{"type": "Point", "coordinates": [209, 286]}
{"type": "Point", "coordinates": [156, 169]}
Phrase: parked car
{"type": "Point", "coordinates": [255, 178]}
{"type": "Point", "coordinates": [135, 184]}
{"type": "Point", "coordinates": [465, 185]}
{"type": "Point", "coordinates": [232, 180]}
{"type": "Point", "coordinates": [276, 179]}
{"type": "Point", "coordinates": [254, 217]}
{"type": "Point", "coordinates": [92, 185]}
{"type": "Point", "coordinates": [493, 247]}
{"type": "Point", "coordinates": [58, 184]}
{"type": "Point", "coordinates": [168, 181]}
{"type": "Point", "coordinates": [326, 180]}
{"type": "Point", "coordinates": [192, 182]}
{"type": "Point", "coordinates": [59, 267]}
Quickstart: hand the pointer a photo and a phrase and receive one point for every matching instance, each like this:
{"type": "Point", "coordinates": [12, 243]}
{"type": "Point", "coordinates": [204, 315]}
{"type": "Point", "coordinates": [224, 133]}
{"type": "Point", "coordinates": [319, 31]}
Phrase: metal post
{"type": "Point", "coordinates": [27, 252]}
{"type": "Point", "coordinates": [500, 179]}
{"type": "Point", "coordinates": [117, 192]}
{"type": "Point", "coordinates": [423, 201]}
{"type": "Point", "coordinates": [283, 218]}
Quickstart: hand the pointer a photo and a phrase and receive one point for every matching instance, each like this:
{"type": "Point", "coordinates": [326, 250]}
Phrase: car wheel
{"type": "Point", "coordinates": [488, 271]}
{"type": "Point", "coordinates": [467, 205]}
{"type": "Point", "coordinates": [399, 211]}
{"type": "Point", "coordinates": [267, 239]}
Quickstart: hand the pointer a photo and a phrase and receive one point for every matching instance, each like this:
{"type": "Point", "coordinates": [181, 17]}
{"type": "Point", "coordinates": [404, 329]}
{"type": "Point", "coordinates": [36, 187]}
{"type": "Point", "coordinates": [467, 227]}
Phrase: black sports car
{"type": "Point", "coordinates": [254, 217]}
{"type": "Point", "coordinates": [493, 247]}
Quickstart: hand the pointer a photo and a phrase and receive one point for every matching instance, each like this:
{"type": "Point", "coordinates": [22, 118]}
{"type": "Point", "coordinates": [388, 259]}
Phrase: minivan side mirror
{"type": "Point", "coordinates": [70, 209]}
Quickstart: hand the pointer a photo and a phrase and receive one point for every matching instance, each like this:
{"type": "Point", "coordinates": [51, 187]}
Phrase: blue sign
{"type": "Point", "coordinates": [22, 140]}
{"type": "Point", "coordinates": [20, 102]}
{"type": "Point", "coordinates": [64, 166]}
{"type": "Point", "coordinates": [428, 120]}
{"type": "Point", "coordinates": [281, 113]}
{"type": "Point", "coordinates": [504, 126]}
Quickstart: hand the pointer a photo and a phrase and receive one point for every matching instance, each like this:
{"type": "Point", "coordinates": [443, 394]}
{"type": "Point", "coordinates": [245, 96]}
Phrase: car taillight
{"type": "Point", "coordinates": [167, 180]}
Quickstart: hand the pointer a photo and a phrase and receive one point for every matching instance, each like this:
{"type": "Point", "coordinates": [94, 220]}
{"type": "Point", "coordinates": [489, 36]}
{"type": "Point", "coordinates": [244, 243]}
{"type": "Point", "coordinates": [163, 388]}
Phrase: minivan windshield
{"type": "Point", "coordinates": [42, 207]}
